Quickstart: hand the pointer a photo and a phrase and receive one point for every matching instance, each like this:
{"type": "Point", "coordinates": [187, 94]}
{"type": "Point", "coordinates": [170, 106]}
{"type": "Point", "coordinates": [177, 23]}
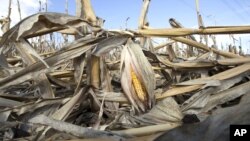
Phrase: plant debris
{"type": "Point", "coordinates": [116, 84]}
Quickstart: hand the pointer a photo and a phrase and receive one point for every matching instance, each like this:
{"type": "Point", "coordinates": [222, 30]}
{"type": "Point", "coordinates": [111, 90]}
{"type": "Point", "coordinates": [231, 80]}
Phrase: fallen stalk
{"type": "Point", "coordinates": [147, 130]}
{"type": "Point", "coordinates": [74, 129]}
{"type": "Point", "coordinates": [204, 47]}
{"type": "Point", "coordinates": [169, 32]}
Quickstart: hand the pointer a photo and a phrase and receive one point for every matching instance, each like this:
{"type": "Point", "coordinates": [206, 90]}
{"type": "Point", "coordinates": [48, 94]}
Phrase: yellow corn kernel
{"type": "Point", "coordinates": [139, 89]}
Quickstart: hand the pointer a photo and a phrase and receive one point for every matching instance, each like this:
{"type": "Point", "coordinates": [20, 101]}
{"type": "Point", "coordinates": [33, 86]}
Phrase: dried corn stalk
{"type": "Point", "coordinates": [137, 77]}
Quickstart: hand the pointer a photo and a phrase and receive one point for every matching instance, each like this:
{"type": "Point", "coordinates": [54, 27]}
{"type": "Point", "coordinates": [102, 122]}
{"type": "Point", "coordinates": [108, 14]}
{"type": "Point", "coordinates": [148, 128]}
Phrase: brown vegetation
{"type": "Point", "coordinates": [117, 82]}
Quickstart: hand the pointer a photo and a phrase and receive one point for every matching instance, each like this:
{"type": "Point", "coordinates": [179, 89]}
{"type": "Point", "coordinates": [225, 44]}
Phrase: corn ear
{"type": "Point", "coordinates": [138, 86]}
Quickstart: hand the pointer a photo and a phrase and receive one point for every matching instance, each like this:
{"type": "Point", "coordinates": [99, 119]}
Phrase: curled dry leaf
{"type": "Point", "coordinates": [108, 44]}
{"type": "Point", "coordinates": [40, 24]}
{"type": "Point", "coordinates": [227, 95]}
{"type": "Point", "coordinates": [166, 111]}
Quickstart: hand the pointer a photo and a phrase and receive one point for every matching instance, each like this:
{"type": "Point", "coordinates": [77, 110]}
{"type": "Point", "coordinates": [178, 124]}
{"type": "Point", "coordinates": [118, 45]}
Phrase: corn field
{"type": "Point", "coordinates": [106, 84]}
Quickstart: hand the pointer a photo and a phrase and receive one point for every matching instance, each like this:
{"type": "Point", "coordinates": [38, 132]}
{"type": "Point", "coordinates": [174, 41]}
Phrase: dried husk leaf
{"type": "Point", "coordinates": [134, 59]}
